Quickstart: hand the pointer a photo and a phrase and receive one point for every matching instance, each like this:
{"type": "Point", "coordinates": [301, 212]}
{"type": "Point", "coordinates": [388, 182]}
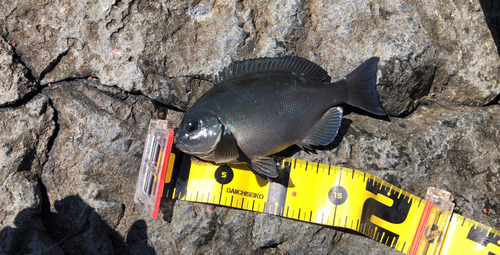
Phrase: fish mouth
{"type": "Point", "coordinates": [183, 147]}
{"type": "Point", "coordinates": [187, 149]}
{"type": "Point", "coordinates": [190, 149]}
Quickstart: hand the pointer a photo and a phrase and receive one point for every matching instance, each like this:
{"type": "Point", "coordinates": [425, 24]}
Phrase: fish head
{"type": "Point", "coordinates": [199, 133]}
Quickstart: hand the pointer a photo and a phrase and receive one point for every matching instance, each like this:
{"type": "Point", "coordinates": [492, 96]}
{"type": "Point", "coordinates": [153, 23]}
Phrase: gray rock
{"type": "Point", "coordinates": [492, 16]}
{"type": "Point", "coordinates": [354, 244]}
{"type": "Point", "coordinates": [14, 81]}
{"type": "Point", "coordinates": [266, 231]}
{"type": "Point", "coordinates": [426, 48]}
{"type": "Point", "coordinates": [26, 134]}
{"type": "Point", "coordinates": [99, 133]}
{"type": "Point", "coordinates": [70, 153]}
{"type": "Point", "coordinates": [299, 237]}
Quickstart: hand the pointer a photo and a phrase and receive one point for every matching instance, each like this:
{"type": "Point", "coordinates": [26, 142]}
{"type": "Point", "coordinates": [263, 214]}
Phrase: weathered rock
{"type": "Point", "coordinates": [354, 244]}
{"type": "Point", "coordinates": [266, 231]}
{"type": "Point", "coordinates": [99, 140]}
{"type": "Point", "coordinates": [27, 235]}
{"type": "Point", "coordinates": [424, 47]}
{"type": "Point", "coordinates": [26, 133]}
{"type": "Point", "coordinates": [492, 16]}
{"type": "Point", "coordinates": [25, 136]}
{"type": "Point", "coordinates": [100, 133]}
{"type": "Point", "coordinates": [427, 48]}
{"type": "Point", "coordinates": [14, 81]}
{"type": "Point", "coordinates": [436, 57]}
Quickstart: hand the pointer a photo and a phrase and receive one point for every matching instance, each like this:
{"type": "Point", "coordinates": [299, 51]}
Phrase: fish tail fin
{"type": "Point", "coordinates": [361, 84]}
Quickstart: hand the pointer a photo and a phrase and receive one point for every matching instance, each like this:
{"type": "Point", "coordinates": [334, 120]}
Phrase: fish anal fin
{"type": "Point", "coordinates": [264, 167]}
{"type": "Point", "coordinates": [325, 130]}
{"type": "Point", "coordinates": [227, 149]}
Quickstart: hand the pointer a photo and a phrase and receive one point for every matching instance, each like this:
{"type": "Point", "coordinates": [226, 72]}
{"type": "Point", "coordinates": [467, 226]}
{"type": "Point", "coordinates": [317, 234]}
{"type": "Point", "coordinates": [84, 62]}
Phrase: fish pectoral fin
{"type": "Point", "coordinates": [264, 167]}
{"type": "Point", "coordinates": [227, 149]}
{"type": "Point", "coordinates": [325, 130]}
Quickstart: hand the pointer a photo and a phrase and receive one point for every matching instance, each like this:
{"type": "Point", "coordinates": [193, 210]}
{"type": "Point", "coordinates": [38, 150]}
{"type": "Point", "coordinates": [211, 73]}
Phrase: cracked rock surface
{"type": "Point", "coordinates": [70, 146]}
{"type": "Point", "coordinates": [15, 82]}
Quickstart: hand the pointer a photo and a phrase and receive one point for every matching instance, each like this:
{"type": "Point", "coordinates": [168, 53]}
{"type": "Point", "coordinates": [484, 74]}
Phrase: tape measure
{"type": "Point", "coordinates": [316, 193]}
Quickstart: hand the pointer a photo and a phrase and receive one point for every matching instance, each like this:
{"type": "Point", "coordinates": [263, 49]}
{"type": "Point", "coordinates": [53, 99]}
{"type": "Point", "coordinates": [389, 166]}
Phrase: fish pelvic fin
{"type": "Point", "coordinates": [325, 130]}
{"type": "Point", "coordinates": [361, 84]}
{"type": "Point", "coordinates": [265, 167]}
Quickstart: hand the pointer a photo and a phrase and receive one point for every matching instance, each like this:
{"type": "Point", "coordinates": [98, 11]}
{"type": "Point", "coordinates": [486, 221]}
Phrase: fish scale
{"type": "Point", "coordinates": [260, 107]}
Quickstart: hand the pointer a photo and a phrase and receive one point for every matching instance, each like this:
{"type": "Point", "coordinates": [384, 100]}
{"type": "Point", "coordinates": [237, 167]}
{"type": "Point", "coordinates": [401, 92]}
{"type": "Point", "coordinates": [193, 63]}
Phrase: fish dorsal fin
{"type": "Point", "coordinates": [290, 64]}
{"type": "Point", "coordinates": [325, 130]}
{"type": "Point", "coordinates": [227, 149]}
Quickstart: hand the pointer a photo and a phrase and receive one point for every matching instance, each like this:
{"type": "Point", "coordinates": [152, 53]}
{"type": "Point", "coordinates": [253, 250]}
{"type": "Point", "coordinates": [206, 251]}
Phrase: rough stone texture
{"type": "Point", "coordinates": [167, 50]}
{"type": "Point", "coordinates": [14, 81]}
{"type": "Point", "coordinates": [492, 16]}
{"type": "Point", "coordinates": [71, 147]}
{"type": "Point", "coordinates": [25, 136]}
{"type": "Point", "coordinates": [100, 138]}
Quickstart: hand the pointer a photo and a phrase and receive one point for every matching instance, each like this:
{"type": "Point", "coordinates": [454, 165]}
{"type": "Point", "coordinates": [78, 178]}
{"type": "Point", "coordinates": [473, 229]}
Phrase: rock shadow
{"type": "Point", "coordinates": [491, 10]}
{"type": "Point", "coordinates": [76, 228]}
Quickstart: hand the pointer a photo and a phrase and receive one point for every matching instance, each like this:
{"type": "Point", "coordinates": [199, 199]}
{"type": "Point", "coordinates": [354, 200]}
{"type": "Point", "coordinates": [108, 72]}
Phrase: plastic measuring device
{"type": "Point", "coordinates": [316, 193]}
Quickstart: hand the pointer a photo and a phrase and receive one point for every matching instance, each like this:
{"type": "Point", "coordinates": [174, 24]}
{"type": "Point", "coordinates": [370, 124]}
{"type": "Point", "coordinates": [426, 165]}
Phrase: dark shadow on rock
{"type": "Point", "coordinates": [27, 162]}
{"type": "Point", "coordinates": [137, 239]}
{"type": "Point", "coordinates": [350, 109]}
{"type": "Point", "coordinates": [167, 208]}
{"type": "Point", "coordinates": [27, 237]}
{"type": "Point", "coordinates": [491, 10]}
{"type": "Point", "coordinates": [76, 228]}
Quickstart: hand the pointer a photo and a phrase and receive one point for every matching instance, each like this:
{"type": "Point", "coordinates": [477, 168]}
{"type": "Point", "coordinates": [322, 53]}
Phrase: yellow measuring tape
{"type": "Point", "coordinates": [327, 195]}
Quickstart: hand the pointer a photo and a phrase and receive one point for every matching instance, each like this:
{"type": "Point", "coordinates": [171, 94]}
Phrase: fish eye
{"type": "Point", "coordinates": [192, 126]}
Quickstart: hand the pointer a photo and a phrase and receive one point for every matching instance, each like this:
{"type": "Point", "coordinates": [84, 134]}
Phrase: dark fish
{"type": "Point", "coordinates": [259, 107]}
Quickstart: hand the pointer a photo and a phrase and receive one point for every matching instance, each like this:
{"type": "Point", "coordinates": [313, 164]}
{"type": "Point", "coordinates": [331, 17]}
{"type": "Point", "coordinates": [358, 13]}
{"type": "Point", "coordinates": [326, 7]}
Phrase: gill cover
{"type": "Point", "coordinates": [198, 134]}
